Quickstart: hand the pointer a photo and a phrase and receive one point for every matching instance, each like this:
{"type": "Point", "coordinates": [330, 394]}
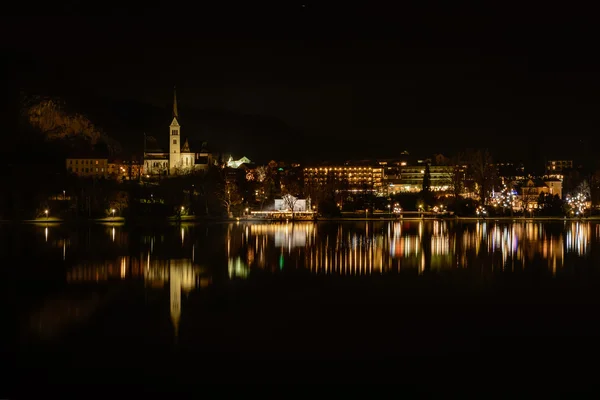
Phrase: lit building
{"type": "Point", "coordinates": [283, 209]}
{"type": "Point", "coordinates": [410, 178]}
{"type": "Point", "coordinates": [288, 201]}
{"type": "Point", "coordinates": [180, 159]}
{"type": "Point", "coordinates": [530, 190]}
{"type": "Point", "coordinates": [554, 186]}
{"type": "Point", "coordinates": [353, 178]}
{"type": "Point", "coordinates": [556, 167]}
{"type": "Point", "coordinates": [124, 170]}
{"type": "Point", "coordinates": [88, 166]}
{"type": "Point", "coordinates": [243, 162]}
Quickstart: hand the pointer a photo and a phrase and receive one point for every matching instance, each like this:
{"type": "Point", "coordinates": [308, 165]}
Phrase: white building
{"type": "Point", "coordinates": [178, 160]}
{"type": "Point", "coordinates": [288, 201]}
{"type": "Point", "coordinates": [231, 163]}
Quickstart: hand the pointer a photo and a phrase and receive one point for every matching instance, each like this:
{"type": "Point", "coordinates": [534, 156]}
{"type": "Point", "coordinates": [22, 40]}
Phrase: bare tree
{"type": "Point", "coordinates": [584, 189]}
{"type": "Point", "coordinates": [529, 195]}
{"type": "Point", "coordinates": [455, 177]}
{"type": "Point", "coordinates": [230, 196]}
{"type": "Point", "coordinates": [483, 172]}
{"type": "Point", "coordinates": [291, 191]}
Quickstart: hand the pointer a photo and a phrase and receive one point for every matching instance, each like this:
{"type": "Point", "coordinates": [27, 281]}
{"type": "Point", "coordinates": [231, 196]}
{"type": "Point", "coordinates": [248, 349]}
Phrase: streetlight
{"type": "Point", "coordinates": [366, 212]}
{"type": "Point", "coordinates": [46, 212]}
{"type": "Point", "coordinates": [64, 194]}
{"type": "Point", "coordinates": [389, 206]}
{"type": "Point", "coordinates": [113, 212]}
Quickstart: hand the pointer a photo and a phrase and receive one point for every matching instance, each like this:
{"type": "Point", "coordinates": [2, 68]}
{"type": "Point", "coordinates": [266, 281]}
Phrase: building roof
{"type": "Point", "coordinates": [87, 154]}
{"type": "Point", "coordinates": [186, 147]}
{"type": "Point", "coordinates": [535, 182]}
{"type": "Point", "coordinates": [175, 113]}
{"type": "Point", "coordinates": [156, 156]}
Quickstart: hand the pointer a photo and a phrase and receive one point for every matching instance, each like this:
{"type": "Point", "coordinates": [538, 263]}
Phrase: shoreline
{"type": "Point", "coordinates": [191, 219]}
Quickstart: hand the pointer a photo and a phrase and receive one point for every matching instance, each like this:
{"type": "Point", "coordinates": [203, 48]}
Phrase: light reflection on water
{"type": "Point", "coordinates": [183, 258]}
{"type": "Point", "coordinates": [353, 247]}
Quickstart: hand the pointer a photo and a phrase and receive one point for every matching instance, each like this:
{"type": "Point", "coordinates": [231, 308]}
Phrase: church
{"type": "Point", "coordinates": [180, 159]}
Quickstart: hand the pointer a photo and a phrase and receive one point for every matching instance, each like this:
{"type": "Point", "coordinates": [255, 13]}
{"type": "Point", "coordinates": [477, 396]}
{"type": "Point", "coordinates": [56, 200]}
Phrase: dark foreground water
{"type": "Point", "coordinates": [429, 303]}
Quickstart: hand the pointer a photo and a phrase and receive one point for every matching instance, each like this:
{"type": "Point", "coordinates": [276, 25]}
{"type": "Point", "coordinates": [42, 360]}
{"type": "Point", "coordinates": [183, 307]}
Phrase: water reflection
{"type": "Point", "coordinates": [372, 247]}
{"type": "Point", "coordinates": [181, 276]}
{"type": "Point", "coordinates": [178, 260]}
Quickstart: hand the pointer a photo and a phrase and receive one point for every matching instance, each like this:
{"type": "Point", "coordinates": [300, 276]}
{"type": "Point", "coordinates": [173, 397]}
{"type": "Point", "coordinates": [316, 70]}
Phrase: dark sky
{"type": "Point", "coordinates": [367, 80]}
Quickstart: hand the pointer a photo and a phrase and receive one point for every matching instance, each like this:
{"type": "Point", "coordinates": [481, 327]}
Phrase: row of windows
{"type": "Point", "coordinates": [87, 162]}
{"type": "Point", "coordinates": [86, 170]}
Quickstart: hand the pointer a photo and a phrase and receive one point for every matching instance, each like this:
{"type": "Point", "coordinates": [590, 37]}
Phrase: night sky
{"type": "Point", "coordinates": [348, 82]}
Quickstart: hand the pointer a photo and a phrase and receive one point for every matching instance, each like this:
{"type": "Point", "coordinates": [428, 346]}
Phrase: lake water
{"type": "Point", "coordinates": [225, 298]}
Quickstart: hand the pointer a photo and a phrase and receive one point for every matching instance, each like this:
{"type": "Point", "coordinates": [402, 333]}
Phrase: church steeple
{"type": "Point", "coordinates": [174, 142]}
{"type": "Point", "coordinates": [175, 113]}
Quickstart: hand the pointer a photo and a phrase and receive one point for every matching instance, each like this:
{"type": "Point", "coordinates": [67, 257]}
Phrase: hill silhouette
{"type": "Point", "coordinates": [260, 138]}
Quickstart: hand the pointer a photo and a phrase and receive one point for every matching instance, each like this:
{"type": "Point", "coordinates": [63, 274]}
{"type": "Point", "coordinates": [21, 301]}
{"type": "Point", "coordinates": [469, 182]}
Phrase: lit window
{"type": "Point", "coordinates": [96, 162]}
{"type": "Point", "coordinates": [96, 169]}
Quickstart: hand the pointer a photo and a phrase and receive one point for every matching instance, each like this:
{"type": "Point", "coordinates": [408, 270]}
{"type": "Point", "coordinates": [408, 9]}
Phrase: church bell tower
{"type": "Point", "coordinates": [174, 139]}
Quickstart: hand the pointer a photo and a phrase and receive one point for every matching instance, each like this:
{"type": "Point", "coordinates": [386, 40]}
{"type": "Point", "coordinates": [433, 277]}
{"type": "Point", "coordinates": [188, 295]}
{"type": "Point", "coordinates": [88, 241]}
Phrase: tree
{"type": "Point", "coordinates": [584, 189]}
{"type": "Point", "coordinates": [426, 194]}
{"type": "Point", "coordinates": [577, 202]}
{"type": "Point", "coordinates": [291, 190]}
{"type": "Point", "coordinates": [483, 172]}
{"type": "Point", "coordinates": [550, 205]}
{"type": "Point", "coordinates": [529, 195]}
{"type": "Point", "coordinates": [456, 176]}
{"type": "Point", "coordinates": [427, 180]}
{"type": "Point", "coordinates": [230, 196]}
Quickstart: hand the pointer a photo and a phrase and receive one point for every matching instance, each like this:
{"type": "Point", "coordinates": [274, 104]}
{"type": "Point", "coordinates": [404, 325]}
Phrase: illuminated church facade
{"type": "Point", "coordinates": [180, 158]}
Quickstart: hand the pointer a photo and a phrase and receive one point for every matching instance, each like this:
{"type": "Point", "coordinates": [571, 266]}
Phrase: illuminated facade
{"type": "Point", "coordinates": [88, 167]}
{"type": "Point", "coordinates": [556, 167]}
{"type": "Point", "coordinates": [231, 163]}
{"type": "Point", "coordinates": [384, 178]}
{"type": "Point", "coordinates": [180, 159]}
{"type": "Point", "coordinates": [530, 190]}
{"type": "Point", "coordinates": [124, 170]}
{"type": "Point", "coordinates": [286, 203]}
{"type": "Point", "coordinates": [410, 178]}
{"type": "Point", "coordinates": [352, 178]}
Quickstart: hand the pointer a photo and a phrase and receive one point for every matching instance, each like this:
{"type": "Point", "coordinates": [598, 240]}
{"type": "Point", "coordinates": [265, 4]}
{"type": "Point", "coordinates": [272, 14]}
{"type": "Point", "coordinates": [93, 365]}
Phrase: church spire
{"type": "Point", "coordinates": [175, 113]}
